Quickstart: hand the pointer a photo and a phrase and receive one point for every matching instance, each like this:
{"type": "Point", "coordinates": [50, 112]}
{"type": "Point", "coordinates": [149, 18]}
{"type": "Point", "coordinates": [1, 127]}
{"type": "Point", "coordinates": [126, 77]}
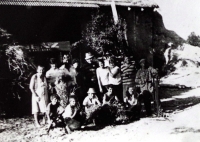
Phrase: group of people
{"type": "Point", "coordinates": [65, 94]}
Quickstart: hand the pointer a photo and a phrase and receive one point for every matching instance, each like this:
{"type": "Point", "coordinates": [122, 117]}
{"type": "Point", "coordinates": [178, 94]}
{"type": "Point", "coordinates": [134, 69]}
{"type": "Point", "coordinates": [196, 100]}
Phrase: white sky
{"type": "Point", "coordinates": [181, 16]}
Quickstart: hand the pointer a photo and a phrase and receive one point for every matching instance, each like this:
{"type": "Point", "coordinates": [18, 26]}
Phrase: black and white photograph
{"type": "Point", "coordinates": [99, 71]}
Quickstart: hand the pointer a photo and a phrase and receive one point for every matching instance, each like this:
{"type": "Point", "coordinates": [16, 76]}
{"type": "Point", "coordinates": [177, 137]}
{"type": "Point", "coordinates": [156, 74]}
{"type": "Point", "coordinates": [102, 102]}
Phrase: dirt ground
{"type": "Point", "coordinates": [182, 124]}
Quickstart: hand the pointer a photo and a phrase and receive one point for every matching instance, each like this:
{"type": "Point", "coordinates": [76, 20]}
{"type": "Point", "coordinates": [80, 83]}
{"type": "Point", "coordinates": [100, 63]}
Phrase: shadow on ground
{"type": "Point", "coordinates": [176, 103]}
{"type": "Point", "coordinates": [185, 130]}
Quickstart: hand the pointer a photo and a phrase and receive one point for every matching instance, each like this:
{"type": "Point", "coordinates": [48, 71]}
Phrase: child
{"type": "Point", "coordinates": [61, 90]}
{"type": "Point", "coordinates": [69, 115]}
{"type": "Point", "coordinates": [52, 109]}
{"type": "Point", "coordinates": [38, 87]}
{"type": "Point", "coordinates": [131, 102]}
{"type": "Point", "coordinates": [109, 98]}
{"type": "Point", "coordinates": [91, 102]}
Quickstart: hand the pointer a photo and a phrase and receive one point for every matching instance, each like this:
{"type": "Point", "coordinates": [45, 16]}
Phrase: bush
{"type": "Point", "coordinates": [193, 39]}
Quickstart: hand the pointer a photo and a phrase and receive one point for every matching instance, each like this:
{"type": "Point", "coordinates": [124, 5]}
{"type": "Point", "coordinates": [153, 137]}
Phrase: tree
{"type": "Point", "coordinates": [102, 35]}
{"type": "Point", "coordinates": [193, 39]}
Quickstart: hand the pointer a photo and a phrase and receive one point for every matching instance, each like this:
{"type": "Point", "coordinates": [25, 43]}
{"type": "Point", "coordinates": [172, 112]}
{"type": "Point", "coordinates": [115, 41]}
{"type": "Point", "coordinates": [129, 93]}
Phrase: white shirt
{"type": "Point", "coordinates": [117, 79]}
{"type": "Point", "coordinates": [103, 76]}
{"type": "Point", "coordinates": [52, 74]}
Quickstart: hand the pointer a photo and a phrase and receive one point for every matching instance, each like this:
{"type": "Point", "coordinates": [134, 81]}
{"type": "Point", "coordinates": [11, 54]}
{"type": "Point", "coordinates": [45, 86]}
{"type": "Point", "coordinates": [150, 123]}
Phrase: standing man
{"type": "Point", "coordinates": [128, 73]}
{"type": "Point", "coordinates": [88, 72]}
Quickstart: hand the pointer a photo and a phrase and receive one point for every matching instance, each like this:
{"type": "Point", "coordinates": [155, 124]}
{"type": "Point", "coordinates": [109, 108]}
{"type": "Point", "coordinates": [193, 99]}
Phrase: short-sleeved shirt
{"type": "Point", "coordinates": [87, 101]}
{"type": "Point", "coordinates": [69, 111]}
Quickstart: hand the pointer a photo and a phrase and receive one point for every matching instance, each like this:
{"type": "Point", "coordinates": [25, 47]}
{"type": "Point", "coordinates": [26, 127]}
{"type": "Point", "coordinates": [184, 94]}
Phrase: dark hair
{"type": "Point", "coordinates": [53, 96]}
{"type": "Point", "coordinates": [112, 60]}
{"type": "Point", "coordinates": [75, 61]}
{"type": "Point", "coordinates": [101, 60]}
{"type": "Point", "coordinates": [52, 61]}
{"type": "Point", "coordinates": [135, 93]}
{"type": "Point", "coordinates": [109, 86]}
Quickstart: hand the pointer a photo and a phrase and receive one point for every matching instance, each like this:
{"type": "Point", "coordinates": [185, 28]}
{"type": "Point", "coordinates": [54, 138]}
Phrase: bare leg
{"type": "Point", "coordinates": [68, 130]}
{"type": "Point", "coordinates": [36, 120]}
{"type": "Point", "coordinates": [44, 119]}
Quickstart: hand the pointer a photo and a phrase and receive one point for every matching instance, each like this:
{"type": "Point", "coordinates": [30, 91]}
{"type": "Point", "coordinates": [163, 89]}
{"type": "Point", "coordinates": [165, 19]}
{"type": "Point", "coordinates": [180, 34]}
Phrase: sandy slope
{"type": "Point", "coordinates": [185, 59]}
{"type": "Point", "coordinates": [181, 126]}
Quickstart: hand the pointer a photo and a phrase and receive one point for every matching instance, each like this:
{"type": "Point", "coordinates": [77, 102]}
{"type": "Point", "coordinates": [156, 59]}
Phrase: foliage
{"type": "Point", "coordinates": [101, 34]}
{"type": "Point", "coordinates": [193, 39]}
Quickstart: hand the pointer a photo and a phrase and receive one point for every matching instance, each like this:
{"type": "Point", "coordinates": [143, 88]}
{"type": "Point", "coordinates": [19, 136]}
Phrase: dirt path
{"type": "Point", "coordinates": [182, 126]}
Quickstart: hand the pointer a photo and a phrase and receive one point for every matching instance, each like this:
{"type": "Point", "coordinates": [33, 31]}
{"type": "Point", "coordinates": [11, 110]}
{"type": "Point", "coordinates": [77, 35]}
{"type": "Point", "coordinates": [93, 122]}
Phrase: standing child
{"type": "Point", "coordinates": [70, 114]}
{"type": "Point", "coordinates": [38, 87]}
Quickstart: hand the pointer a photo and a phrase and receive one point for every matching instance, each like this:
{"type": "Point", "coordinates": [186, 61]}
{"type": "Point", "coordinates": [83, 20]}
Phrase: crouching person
{"type": "Point", "coordinates": [91, 103]}
{"type": "Point", "coordinates": [110, 98]}
{"type": "Point", "coordinates": [131, 102]}
{"type": "Point", "coordinates": [71, 115]}
{"type": "Point", "coordinates": [54, 112]}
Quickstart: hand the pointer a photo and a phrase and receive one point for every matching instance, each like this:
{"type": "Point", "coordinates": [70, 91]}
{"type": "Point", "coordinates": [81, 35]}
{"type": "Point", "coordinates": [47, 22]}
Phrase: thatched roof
{"type": "Point", "coordinates": [80, 3]}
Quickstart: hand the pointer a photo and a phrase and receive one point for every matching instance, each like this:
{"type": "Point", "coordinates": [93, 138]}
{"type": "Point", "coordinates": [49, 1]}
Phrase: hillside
{"type": "Point", "coordinates": [183, 66]}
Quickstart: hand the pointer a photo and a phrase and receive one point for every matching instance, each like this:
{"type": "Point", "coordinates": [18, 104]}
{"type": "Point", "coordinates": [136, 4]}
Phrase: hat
{"type": "Point", "coordinates": [142, 61]}
{"type": "Point", "coordinates": [88, 55]}
{"type": "Point", "coordinates": [91, 90]}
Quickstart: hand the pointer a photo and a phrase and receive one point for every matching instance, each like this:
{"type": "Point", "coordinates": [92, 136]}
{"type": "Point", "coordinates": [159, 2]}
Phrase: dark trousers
{"type": "Point", "coordinates": [117, 90]}
{"type": "Point", "coordinates": [146, 98]}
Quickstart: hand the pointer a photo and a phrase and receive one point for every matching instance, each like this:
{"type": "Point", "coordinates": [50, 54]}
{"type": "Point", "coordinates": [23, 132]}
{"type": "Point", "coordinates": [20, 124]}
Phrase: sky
{"type": "Point", "coordinates": [181, 16]}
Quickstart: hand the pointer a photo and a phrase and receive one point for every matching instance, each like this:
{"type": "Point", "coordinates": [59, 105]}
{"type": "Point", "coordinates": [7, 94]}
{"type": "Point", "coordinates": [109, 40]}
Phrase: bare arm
{"type": "Point", "coordinates": [114, 73]}
{"type": "Point", "coordinates": [99, 81]}
{"type": "Point", "coordinates": [32, 84]}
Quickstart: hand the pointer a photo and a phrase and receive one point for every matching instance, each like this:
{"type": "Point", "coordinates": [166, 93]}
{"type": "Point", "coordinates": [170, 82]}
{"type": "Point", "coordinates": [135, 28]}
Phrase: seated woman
{"type": "Point", "coordinates": [61, 91]}
{"type": "Point", "coordinates": [109, 97]}
{"type": "Point", "coordinates": [91, 102]}
{"type": "Point", "coordinates": [70, 114]}
{"type": "Point", "coordinates": [131, 103]}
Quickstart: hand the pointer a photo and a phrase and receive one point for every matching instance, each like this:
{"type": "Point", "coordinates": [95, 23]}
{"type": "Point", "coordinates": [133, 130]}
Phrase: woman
{"type": "Point", "coordinates": [62, 90]}
{"type": "Point", "coordinates": [52, 74]}
{"type": "Point", "coordinates": [65, 68]}
{"type": "Point", "coordinates": [131, 102]}
{"type": "Point", "coordinates": [102, 76]}
{"type": "Point", "coordinates": [38, 87]}
{"type": "Point", "coordinates": [115, 78]}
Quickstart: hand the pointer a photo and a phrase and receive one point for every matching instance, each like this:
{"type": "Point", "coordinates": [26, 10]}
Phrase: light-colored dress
{"type": "Point", "coordinates": [52, 74]}
{"type": "Point", "coordinates": [40, 88]}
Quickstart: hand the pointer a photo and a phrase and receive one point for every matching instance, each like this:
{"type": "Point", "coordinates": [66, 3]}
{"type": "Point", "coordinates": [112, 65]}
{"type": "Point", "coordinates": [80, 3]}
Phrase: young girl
{"type": "Point", "coordinates": [115, 78]}
{"type": "Point", "coordinates": [102, 76]}
{"type": "Point", "coordinates": [109, 98]}
{"type": "Point", "coordinates": [38, 87]}
{"type": "Point", "coordinates": [132, 103]}
{"type": "Point", "coordinates": [69, 115]}
{"type": "Point", "coordinates": [61, 90]}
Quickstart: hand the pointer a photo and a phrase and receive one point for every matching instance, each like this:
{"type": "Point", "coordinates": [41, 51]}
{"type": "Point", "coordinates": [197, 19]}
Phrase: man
{"type": "Point", "coordinates": [143, 80]}
{"type": "Point", "coordinates": [88, 72]}
{"type": "Point", "coordinates": [128, 72]}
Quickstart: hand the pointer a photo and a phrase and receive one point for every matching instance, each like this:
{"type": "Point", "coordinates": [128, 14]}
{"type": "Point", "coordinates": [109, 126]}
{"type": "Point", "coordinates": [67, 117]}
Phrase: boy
{"type": "Point", "coordinates": [53, 111]}
{"type": "Point", "coordinates": [69, 116]}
